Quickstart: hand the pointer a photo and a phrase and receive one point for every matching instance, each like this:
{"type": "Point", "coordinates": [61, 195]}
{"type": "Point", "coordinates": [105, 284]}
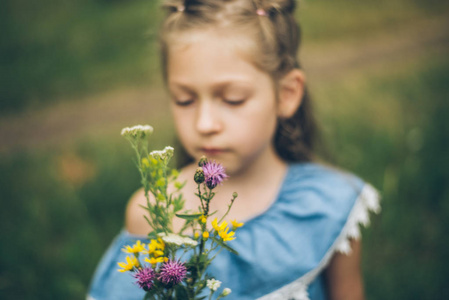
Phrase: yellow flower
{"type": "Point", "coordinates": [226, 236]}
{"type": "Point", "coordinates": [153, 261]}
{"type": "Point", "coordinates": [236, 224]}
{"type": "Point", "coordinates": [161, 244]}
{"type": "Point", "coordinates": [196, 235]}
{"type": "Point", "coordinates": [220, 227]}
{"type": "Point", "coordinates": [174, 173]}
{"type": "Point", "coordinates": [153, 161]}
{"type": "Point", "coordinates": [145, 163]}
{"type": "Point", "coordinates": [155, 247]}
{"type": "Point", "coordinates": [136, 248]}
{"type": "Point", "coordinates": [131, 262]}
{"type": "Point", "coordinates": [160, 197]}
{"type": "Point", "coordinates": [158, 253]}
{"type": "Point", "coordinates": [160, 182]}
{"type": "Point", "coordinates": [205, 235]}
{"type": "Point", "coordinates": [178, 185]}
{"type": "Point", "coordinates": [203, 219]}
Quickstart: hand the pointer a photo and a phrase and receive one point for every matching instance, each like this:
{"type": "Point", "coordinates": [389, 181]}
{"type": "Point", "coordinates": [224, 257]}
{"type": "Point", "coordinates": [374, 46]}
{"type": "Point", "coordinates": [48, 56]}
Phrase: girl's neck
{"type": "Point", "coordinates": [263, 170]}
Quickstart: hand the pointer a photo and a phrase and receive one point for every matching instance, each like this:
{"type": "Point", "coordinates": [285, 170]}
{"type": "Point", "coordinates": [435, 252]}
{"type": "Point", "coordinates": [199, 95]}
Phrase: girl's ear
{"type": "Point", "coordinates": [291, 91]}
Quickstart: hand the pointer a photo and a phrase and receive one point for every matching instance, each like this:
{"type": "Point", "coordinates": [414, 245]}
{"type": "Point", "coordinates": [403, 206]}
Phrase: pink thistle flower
{"type": "Point", "coordinates": [214, 174]}
{"type": "Point", "coordinates": [172, 272]}
{"type": "Point", "coordinates": [145, 278]}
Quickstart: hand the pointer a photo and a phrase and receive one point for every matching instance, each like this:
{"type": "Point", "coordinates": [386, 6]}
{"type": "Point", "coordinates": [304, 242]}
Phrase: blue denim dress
{"type": "Point", "coordinates": [283, 251]}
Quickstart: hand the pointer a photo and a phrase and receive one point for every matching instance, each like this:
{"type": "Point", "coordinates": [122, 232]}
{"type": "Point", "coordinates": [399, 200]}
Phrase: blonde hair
{"type": "Point", "coordinates": [273, 43]}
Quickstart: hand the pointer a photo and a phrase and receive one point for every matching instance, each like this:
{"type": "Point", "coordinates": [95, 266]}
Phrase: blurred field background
{"type": "Point", "coordinates": [73, 73]}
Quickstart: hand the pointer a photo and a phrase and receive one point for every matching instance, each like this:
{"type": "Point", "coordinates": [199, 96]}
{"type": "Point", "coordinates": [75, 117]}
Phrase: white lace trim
{"type": "Point", "coordinates": [367, 201]}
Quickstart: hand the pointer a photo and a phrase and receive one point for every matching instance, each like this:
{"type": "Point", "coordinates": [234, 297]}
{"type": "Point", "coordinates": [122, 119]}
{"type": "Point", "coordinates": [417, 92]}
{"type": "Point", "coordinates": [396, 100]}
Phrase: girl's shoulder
{"type": "Point", "coordinates": [321, 176]}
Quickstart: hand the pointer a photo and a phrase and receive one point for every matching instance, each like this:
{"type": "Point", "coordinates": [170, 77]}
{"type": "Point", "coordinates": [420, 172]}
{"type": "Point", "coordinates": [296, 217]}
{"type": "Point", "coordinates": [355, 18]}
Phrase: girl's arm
{"type": "Point", "coordinates": [344, 278]}
{"type": "Point", "coordinates": [134, 220]}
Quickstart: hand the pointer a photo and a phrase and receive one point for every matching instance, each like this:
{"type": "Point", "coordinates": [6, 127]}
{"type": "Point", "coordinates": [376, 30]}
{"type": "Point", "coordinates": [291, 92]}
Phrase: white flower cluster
{"type": "Point", "coordinates": [172, 238]}
{"type": "Point", "coordinates": [213, 284]}
{"type": "Point", "coordinates": [167, 153]}
{"type": "Point", "coordinates": [138, 131]}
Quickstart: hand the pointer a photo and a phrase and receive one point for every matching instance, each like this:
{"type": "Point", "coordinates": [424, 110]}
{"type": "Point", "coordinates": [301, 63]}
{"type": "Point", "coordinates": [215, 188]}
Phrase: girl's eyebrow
{"type": "Point", "coordinates": [180, 86]}
{"type": "Point", "coordinates": [234, 83]}
{"type": "Point", "coordinates": [215, 87]}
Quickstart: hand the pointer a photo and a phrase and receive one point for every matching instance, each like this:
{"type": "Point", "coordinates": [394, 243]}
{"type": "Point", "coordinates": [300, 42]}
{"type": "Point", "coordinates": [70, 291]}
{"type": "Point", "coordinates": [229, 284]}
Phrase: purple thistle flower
{"type": "Point", "coordinates": [145, 278]}
{"type": "Point", "coordinates": [172, 272]}
{"type": "Point", "coordinates": [214, 174]}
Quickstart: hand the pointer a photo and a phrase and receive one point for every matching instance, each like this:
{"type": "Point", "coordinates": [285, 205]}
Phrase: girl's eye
{"type": "Point", "coordinates": [234, 101]}
{"type": "Point", "coordinates": [183, 102]}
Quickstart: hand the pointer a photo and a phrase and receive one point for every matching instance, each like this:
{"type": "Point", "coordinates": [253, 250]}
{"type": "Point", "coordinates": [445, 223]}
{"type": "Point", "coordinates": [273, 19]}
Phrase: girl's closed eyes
{"type": "Point", "coordinates": [236, 95]}
{"type": "Point", "coordinates": [183, 102]}
{"type": "Point", "coordinates": [233, 95]}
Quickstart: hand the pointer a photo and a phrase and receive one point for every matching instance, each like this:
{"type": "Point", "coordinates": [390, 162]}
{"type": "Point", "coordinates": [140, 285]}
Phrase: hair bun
{"type": "Point", "coordinates": [284, 6]}
{"type": "Point", "coordinates": [173, 5]}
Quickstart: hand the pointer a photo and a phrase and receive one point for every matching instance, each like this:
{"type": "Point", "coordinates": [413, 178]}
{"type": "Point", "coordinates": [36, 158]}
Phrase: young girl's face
{"type": "Point", "coordinates": [223, 106]}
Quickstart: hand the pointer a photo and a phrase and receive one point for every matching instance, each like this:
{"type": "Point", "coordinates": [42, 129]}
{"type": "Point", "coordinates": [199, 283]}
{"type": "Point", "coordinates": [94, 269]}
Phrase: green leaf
{"type": "Point", "coordinates": [181, 292]}
{"type": "Point", "coordinates": [213, 213]}
{"type": "Point", "coordinates": [152, 236]}
{"type": "Point", "coordinates": [189, 217]}
{"type": "Point", "coordinates": [149, 295]}
{"type": "Point", "coordinates": [222, 244]}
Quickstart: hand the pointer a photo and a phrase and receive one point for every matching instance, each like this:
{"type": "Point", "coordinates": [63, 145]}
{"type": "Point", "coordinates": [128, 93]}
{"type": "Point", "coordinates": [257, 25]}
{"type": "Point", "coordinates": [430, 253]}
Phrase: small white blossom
{"type": "Point", "coordinates": [226, 292]}
{"type": "Point", "coordinates": [138, 131]}
{"type": "Point", "coordinates": [213, 284]}
{"type": "Point", "coordinates": [165, 154]}
{"type": "Point", "coordinates": [169, 150]}
{"type": "Point", "coordinates": [159, 154]}
{"type": "Point", "coordinates": [172, 238]}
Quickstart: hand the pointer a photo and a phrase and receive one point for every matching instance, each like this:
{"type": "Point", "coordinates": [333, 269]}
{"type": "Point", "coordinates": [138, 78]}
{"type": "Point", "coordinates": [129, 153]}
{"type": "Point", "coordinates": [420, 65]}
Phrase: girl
{"type": "Point", "coordinates": [238, 96]}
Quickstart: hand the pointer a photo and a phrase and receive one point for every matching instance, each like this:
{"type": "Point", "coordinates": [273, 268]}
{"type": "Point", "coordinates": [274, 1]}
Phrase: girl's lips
{"type": "Point", "coordinates": [212, 151]}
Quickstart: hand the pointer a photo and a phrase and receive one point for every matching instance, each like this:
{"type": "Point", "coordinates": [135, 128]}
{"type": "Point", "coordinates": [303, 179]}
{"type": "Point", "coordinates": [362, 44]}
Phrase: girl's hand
{"type": "Point", "coordinates": [344, 278]}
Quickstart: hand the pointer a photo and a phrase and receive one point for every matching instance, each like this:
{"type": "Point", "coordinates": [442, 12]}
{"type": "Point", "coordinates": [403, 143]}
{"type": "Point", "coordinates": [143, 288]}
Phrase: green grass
{"type": "Point", "coordinates": [64, 49]}
{"type": "Point", "coordinates": [326, 20]}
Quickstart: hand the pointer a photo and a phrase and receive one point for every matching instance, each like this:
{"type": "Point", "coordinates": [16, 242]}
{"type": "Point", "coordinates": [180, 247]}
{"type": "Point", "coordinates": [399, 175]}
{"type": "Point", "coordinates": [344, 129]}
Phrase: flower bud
{"type": "Point", "coordinates": [211, 184]}
{"type": "Point", "coordinates": [203, 161]}
{"type": "Point", "coordinates": [235, 195]}
{"type": "Point", "coordinates": [199, 176]}
{"type": "Point", "coordinates": [226, 292]}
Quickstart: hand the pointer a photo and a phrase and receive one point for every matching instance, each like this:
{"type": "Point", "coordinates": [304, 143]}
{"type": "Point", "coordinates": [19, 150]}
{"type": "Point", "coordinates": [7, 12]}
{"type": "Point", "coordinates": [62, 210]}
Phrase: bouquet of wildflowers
{"type": "Point", "coordinates": [172, 265]}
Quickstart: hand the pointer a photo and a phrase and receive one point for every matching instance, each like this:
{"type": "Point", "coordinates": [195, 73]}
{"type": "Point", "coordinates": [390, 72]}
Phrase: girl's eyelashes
{"type": "Point", "coordinates": [187, 102]}
{"type": "Point", "coordinates": [184, 102]}
{"type": "Point", "coordinates": [235, 102]}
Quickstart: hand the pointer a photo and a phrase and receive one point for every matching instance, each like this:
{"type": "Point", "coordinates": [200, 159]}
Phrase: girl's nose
{"type": "Point", "coordinates": [208, 121]}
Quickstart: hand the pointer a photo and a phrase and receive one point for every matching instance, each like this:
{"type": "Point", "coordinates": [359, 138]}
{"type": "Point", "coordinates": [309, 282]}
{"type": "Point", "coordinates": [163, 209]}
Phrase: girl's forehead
{"type": "Point", "coordinates": [207, 55]}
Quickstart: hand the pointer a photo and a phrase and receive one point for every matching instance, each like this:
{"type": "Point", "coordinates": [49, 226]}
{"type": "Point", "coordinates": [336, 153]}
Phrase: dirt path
{"type": "Point", "coordinates": [107, 113]}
